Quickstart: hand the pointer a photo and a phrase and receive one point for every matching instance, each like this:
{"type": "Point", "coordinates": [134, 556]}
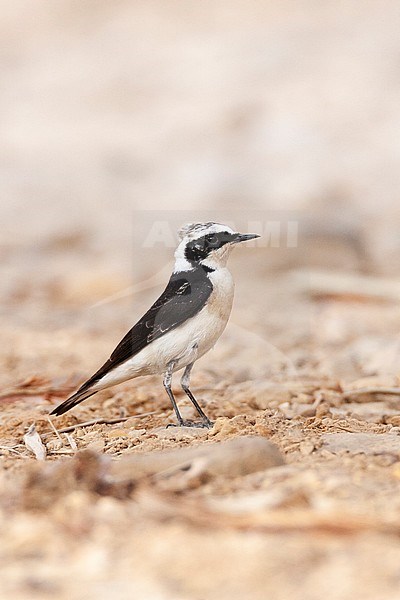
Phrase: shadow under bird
{"type": "Point", "coordinates": [182, 325]}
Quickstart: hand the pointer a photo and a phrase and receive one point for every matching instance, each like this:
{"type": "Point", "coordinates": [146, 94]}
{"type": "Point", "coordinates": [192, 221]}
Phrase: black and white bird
{"type": "Point", "coordinates": [182, 325]}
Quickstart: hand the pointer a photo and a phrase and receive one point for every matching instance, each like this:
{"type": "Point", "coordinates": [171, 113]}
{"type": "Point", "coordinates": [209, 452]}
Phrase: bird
{"type": "Point", "coordinates": [183, 323]}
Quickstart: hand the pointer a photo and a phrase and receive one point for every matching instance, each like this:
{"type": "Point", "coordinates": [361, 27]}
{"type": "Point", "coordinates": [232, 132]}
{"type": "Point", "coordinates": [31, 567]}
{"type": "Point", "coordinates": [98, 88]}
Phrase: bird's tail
{"type": "Point", "coordinates": [72, 401]}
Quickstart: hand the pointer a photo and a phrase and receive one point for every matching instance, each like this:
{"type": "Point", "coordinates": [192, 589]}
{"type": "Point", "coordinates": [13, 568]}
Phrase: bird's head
{"type": "Point", "coordinates": [207, 244]}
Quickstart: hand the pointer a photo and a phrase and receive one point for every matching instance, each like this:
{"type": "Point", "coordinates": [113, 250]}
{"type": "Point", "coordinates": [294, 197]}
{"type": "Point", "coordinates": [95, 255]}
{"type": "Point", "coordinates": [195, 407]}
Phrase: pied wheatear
{"type": "Point", "coordinates": [182, 325]}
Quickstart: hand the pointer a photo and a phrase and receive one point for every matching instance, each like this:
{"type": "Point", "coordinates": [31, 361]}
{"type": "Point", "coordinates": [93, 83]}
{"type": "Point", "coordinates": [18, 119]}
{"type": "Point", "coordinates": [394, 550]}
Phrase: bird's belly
{"type": "Point", "coordinates": [186, 343]}
{"type": "Point", "coordinates": [197, 336]}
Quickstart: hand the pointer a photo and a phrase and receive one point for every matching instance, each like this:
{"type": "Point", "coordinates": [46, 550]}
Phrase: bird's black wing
{"type": "Point", "coordinates": [185, 295]}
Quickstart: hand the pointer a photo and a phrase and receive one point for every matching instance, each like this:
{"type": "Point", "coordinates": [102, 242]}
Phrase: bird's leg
{"type": "Point", "coordinates": [185, 381]}
{"type": "Point", "coordinates": [185, 385]}
{"type": "Point", "coordinates": [167, 384]}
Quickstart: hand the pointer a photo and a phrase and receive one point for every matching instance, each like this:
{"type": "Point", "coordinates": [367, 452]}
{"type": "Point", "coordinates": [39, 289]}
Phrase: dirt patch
{"type": "Point", "coordinates": [177, 532]}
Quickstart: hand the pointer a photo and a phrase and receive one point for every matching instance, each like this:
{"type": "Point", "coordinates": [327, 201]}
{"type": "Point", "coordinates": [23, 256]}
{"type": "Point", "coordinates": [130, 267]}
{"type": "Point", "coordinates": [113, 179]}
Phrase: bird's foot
{"type": "Point", "coordinates": [201, 424]}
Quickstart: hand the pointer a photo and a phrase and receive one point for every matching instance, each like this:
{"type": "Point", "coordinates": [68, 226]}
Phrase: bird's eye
{"type": "Point", "coordinates": [212, 239]}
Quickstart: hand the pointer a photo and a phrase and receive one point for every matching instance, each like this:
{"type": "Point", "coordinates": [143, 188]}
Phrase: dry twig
{"type": "Point", "coordinates": [371, 390]}
{"type": "Point", "coordinates": [317, 283]}
{"type": "Point", "coordinates": [101, 421]}
{"type": "Point", "coordinates": [54, 428]}
{"type": "Point", "coordinates": [9, 449]}
{"type": "Point", "coordinates": [71, 441]}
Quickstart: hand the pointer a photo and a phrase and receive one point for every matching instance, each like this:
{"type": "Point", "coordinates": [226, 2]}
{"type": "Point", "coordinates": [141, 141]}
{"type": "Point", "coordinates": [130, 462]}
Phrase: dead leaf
{"type": "Point", "coordinates": [34, 443]}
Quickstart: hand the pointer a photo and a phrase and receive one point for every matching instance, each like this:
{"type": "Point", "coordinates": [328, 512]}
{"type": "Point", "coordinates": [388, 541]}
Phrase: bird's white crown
{"type": "Point", "coordinates": [191, 231]}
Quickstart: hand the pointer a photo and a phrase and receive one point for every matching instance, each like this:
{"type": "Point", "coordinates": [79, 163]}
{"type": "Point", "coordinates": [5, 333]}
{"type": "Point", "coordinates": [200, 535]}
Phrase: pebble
{"type": "Point", "coordinates": [180, 433]}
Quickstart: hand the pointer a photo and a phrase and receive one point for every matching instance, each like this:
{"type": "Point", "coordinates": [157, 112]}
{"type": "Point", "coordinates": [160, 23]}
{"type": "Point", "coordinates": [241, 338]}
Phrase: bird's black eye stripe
{"type": "Point", "coordinates": [200, 248]}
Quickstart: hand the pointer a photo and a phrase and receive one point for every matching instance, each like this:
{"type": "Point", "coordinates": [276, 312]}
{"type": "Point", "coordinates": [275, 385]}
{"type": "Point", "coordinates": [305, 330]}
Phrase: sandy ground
{"type": "Point", "coordinates": [323, 523]}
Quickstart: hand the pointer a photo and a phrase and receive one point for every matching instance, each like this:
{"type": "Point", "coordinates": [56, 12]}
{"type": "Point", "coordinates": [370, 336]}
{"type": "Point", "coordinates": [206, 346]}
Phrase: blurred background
{"type": "Point", "coordinates": [282, 111]}
{"type": "Point", "coordinates": [111, 107]}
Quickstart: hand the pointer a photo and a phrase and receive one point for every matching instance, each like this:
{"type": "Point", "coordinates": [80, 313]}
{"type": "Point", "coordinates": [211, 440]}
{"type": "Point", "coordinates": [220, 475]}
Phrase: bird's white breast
{"type": "Point", "coordinates": [187, 342]}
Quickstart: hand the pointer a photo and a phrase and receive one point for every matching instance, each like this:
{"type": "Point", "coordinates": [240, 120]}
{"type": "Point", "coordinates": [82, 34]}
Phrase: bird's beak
{"type": "Point", "coordinates": [244, 237]}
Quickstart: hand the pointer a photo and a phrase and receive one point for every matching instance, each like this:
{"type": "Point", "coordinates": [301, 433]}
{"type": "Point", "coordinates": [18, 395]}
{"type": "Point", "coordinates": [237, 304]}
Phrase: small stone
{"type": "Point", "coordinates": [115, 433]}
{"type": "Point", "coordinates": [307, 447]}
{"type": "Point", "coordinates": [52, 445]}
{"type": "Point", "coordinates": [180, 433]}
{"type": "Point", "coordinates": [97, 445]}
{"type": "Point", "coordinates": [264, 397]}
{"type": "Point", "coordinates": [136, 433]}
